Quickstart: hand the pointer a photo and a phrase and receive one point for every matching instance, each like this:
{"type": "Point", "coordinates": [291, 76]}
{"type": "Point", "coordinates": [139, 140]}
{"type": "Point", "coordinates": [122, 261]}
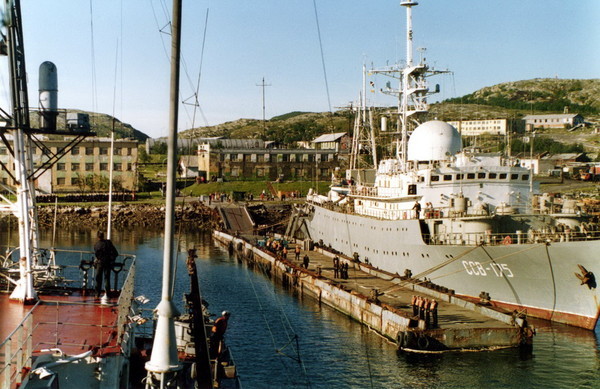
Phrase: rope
{"type": "Point", "coordinates": [270, 330]}
{"type": "Point", "coordinates": [432, 269]}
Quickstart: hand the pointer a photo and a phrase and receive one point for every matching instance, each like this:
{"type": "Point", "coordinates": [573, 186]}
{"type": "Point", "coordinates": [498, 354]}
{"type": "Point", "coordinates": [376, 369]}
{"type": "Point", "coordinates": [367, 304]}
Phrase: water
{"type": "Point", "coordinates": [282, 341]}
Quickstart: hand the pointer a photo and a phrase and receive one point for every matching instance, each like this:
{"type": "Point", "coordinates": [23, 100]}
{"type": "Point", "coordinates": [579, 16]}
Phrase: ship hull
{"type": "Point", "coordinates": [539, 278]}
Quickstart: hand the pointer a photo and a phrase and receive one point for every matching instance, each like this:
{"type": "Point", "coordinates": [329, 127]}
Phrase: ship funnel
{"type": "Point", "coordinates": [48, 103]}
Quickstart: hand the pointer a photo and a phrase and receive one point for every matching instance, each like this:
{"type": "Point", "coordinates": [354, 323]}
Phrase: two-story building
{"type": "Point", "coordinates": [488, 126]}
{"type": "Point", "coordinates": [237, 159]}
{"type": "Point", "coordinates": [84, 167]}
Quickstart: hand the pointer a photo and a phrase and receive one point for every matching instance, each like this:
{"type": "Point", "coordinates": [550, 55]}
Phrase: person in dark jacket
{"type": "Point", "coordinates": [106, 253]}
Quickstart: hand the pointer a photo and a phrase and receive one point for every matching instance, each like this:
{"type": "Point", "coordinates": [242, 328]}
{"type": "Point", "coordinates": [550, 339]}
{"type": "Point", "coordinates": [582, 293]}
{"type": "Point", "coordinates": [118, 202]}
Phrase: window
{"type": "Point", "coordinates": [61, 166]}
{"type": "Point", "coordinates": [89, 167]}
{"type": "Point", "coordinates": [129, 167]}
{"type": "Point", "coordinates": [525, 177]}
{"type": "Point", "coordinates": [311, 158]}
{"type": "Point", "coordinates": [285, 158]}
{"type": "Point", "coordinates": [89, 151]}
{"type": "Point", "coordinates": [103, 150]}
{"type": "Point", "coordinates": [480, 175]}
{"type": "Point", "coordinates": [299, 172]}
{"type": "Point", "coordinates": [412, 189]}
{"type": "Point", "coordinates": [233, 157]}
{"type": "Point", "coordinates": [435, 178]}
{"type": "Point", "coordinates": [118, 151]}
{"type": "Point", "coordinates": [74, 166]}
{"type": "Point", "coordinates": [75, 151]}
{"type": "Point", "coordinates": [298, 157]}
{"type": "Point", "coordinates": [460, 176]}
{"type": "Point", "coordinates": [103, 166]}
{"type": "Point", "coordinates": [503, 176]}
{"type": "Point", "coordinates": [324, 157]}
{"type": "Point", "coordinates": [447, 177]}
{"type": "Point", "coordinates": [60, 181]}
{"type": "Point", "coordinates": [235, 172]}
{"type": "Point", "coordinates": [514, 176]}
{"type": "Point", "coordinates": [492, 176]}
{"type": "Point", "coordinates": [260, 172]}
{"type": "Point", "coordinates": [260, 158]}
{"type": "Point", "coordinates": [221, 157]}
{"type": "Point", "coordinates": [470, 176]}
{"type": "Point", "coordinates": [117, 167]}
{"type": "Point", "coordinates": [74, 180]}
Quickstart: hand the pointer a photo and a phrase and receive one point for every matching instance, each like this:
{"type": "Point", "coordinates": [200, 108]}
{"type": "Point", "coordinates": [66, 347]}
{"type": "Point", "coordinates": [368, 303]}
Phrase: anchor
{"type": "Point", "coordinates": [586, 277]}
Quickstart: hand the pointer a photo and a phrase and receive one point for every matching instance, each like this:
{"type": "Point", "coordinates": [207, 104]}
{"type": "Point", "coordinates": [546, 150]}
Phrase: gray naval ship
{"type": "Point", "coordinates": [468, 221]}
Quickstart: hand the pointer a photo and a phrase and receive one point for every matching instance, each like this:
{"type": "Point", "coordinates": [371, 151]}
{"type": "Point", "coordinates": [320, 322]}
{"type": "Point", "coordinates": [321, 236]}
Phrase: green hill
{"type": "Point", "coordinates": [540, 95]}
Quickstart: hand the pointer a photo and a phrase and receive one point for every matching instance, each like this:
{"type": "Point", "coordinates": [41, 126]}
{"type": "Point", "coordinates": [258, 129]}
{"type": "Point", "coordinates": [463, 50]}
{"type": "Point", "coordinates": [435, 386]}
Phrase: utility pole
{"type": "Point", "coordinates": [263, 85]}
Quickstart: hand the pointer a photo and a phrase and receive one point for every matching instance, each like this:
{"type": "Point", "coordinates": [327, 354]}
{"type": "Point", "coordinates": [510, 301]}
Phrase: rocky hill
{"type": "Point", "coordinates": [506, 100]}
{"type": "Point", "coordinates": [102, 125]}
{"type": "Point", "coordinates": [539, 95]}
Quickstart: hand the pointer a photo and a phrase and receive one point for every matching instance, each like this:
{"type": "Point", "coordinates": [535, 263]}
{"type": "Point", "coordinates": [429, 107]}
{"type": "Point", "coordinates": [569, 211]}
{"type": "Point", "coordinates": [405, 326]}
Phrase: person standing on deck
{"type": "Point", "coordinates": [297, 252]}
{"type": "Point", "coordinates": [306, 261]}
{"type": "Point", "coordinates": [106, 253]}
{"type": "Point", "coordinates": [217, 333]}
{"type": "Point", "coordinates": [417, 209]}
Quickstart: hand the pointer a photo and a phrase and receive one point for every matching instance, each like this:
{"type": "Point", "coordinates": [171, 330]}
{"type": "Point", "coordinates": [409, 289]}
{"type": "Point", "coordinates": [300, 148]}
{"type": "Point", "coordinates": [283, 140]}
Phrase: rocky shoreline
{"type": "Point", "coordinates": [193, 215]}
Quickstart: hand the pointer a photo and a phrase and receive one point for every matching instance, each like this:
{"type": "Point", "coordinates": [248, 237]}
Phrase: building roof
{"type": "Point", "coordinates": [329, 137]}
{"type": "Point", "coordinates": [552, 116]}
{"type": "Point", "coordinates": [189, 160]}
{"type": "Point", "coordinates": [563, 156]}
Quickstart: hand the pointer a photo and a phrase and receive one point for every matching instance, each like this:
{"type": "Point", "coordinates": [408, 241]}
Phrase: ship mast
{"type": "Point", "coordinates": [164, 362]}
{"type": "Point", "coordinates": [412, 89]}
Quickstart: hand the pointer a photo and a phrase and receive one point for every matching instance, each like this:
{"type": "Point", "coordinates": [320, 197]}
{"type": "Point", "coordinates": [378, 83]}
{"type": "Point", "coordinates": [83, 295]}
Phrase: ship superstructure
{"type": "Point", "coordinates": [467, 220]}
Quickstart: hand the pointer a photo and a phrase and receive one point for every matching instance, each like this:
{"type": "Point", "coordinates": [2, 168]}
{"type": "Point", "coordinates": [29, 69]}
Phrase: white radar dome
{"type": "Point", "coordinates": [433, 141]}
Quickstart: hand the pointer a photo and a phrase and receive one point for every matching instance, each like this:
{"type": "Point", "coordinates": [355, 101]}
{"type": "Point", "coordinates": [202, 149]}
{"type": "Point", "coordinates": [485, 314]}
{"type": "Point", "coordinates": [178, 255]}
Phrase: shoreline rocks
{"type": "Point", "coordinates": [192, 215]}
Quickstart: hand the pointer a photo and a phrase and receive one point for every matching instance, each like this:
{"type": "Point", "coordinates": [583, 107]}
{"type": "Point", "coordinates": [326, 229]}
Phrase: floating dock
{"type": "Point", "coordinates": [383, 301]}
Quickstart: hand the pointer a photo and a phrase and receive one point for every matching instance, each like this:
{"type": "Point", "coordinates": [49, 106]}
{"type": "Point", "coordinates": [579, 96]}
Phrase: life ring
{"type": "Point", "coordinates": [507, 240]}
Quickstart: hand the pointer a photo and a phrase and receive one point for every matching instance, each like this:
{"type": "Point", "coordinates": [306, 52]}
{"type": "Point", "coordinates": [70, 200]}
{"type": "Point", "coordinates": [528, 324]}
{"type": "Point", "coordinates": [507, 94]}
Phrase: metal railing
{"type": "Point", "coordinates": [478, 238]}
{"type": "Point", "coordinates": [16, 351]}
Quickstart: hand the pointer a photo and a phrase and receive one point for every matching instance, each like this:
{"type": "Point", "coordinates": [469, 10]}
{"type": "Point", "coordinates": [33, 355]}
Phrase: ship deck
{"type": "Point", "coordinates": [74, 322]}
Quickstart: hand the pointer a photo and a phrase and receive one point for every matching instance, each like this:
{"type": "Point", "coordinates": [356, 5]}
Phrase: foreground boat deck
{"type": "Point", "coordinates": [74, 323]}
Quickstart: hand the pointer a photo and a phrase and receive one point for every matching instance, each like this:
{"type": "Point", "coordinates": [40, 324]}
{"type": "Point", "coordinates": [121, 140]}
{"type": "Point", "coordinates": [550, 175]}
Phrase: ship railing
{"type": "Point", "coordinates": [127, 310]}
{"type": "Point", "coordinates": [507, 239]}
{"type": "Point", "coordinates": [62, 268]}
{"type": "Point", "coordinates": [363, 190]}
{"type": "Point", "coordinates": [16, 352]}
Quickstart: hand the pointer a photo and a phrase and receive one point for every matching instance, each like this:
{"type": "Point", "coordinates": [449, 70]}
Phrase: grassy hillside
{"type": "Point", "coordinates": [506, 100]}
{"type": "Point", "coordinates": [539, 95]}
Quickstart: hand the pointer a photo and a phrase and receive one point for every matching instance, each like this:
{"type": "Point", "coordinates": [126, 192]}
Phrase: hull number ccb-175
{"type": "Point", "coordinates": [474, 268]}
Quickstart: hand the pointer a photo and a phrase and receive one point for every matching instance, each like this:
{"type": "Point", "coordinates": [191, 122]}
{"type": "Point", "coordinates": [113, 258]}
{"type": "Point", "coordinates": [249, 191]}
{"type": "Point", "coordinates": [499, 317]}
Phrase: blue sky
{"type": "Point", "coordinates": [484, 42]}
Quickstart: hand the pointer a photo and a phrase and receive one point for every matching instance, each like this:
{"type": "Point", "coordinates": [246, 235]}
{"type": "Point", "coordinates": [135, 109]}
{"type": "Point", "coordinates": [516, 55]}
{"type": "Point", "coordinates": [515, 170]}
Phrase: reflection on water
{"type": "Point", "coordinates": [281, 340]}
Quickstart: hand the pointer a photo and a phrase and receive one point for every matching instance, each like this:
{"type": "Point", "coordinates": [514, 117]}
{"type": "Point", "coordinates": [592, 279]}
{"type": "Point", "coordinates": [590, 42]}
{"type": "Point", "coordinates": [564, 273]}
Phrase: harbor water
{"type": "Point", "coordinates": [281, 340]}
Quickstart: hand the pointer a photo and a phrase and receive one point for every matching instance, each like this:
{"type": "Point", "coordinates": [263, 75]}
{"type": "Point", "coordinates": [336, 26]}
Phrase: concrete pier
{"type": "Point", "coordinates": [382, 300]}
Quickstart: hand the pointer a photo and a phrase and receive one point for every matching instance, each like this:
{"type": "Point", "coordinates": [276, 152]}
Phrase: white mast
{"type": "Point", "coordinates": [164, 362]}
{"type": "Point", "coordinates": [405, 78]}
